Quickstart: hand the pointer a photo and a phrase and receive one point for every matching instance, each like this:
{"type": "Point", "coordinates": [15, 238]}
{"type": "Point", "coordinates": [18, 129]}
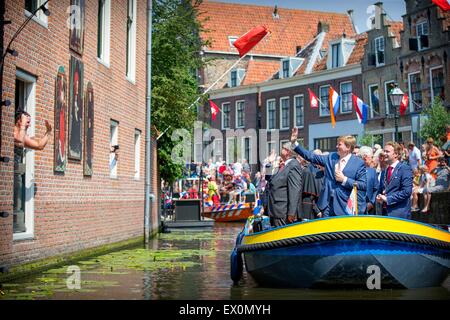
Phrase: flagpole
{"type": "Point", "coordinates": [206, 91]}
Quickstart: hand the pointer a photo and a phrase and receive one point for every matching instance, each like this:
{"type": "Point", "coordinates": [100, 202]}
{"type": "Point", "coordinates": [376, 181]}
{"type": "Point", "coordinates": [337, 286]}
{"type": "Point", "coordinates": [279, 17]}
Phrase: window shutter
{"type": "Point", "coordinates": [413, 44]}
{"type": "Point", "coordinates": [371, 59]}
{"type": "Point", "coordinates": [240, 76]}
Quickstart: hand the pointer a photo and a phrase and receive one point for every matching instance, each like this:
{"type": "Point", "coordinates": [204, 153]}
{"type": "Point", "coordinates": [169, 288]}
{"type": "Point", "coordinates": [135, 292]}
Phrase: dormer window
{"type": "Point", "coordinates": [336, 53]}
{"type": "Point", "coordinates": [379, 51]}
{"type": "Point", "coordinates": [236, 77]}
{"type": "Point", "coordinates": [286, 69]}
{"type": "Point", "coordinates": [422, 35]}
{"type": "Point", "coordinates": [289, 66]}
{"type": "Point", "coordinates": [232, 39]}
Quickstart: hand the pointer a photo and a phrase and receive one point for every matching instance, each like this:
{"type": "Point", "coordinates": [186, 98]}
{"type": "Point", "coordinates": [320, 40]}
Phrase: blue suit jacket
{"type": "Point", "coordinates": [398, 191]}
{"type": "Point", "coordinates": [355, 171]}
{"type": "Point", "coordinates": [372, 187]}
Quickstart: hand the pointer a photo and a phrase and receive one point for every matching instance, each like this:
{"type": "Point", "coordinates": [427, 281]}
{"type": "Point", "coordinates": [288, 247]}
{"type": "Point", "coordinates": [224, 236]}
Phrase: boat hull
{"type": "Point", "coordinates": [350, 263]}
{"type": "Point", "coordinates": [229, 213]}
{"type": "Point", "coordinates": [348, 251]}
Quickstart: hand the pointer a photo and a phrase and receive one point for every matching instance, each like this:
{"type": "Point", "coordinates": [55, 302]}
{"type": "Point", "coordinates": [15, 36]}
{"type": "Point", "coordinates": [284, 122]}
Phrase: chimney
{"type": "Point", "coordinates": [275, 13]}
{"type": "Point", "coordinates": [376, 24]}
{"type": "Point", "coordinates": [350, 14]}
{"type": "Point", "coordinates": [322, 27]}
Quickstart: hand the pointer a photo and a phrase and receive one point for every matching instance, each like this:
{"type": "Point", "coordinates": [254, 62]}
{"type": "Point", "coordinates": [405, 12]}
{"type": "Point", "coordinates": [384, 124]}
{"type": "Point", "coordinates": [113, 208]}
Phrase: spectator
{"type": "Point", "coordinates": [424, 179]}
{"type": "Point", "coordinates": [414, 157]}
{"type": "Point", "coordinates": [442, 172]}
{"type": "Point", "coordinates": [432, 154]}
{"type": "Point", "coordinates": [366, 155]}
{"type": "Point", "coordinates": [246, 166]}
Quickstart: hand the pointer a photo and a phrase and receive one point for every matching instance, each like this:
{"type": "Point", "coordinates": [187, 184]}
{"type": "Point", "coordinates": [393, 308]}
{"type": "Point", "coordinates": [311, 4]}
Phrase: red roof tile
{"type": "Point", "coordinates": [358, 51]}
{"type": "Point", "coordinates": [395, 28]}
{"type": "Point", "coordinates": [293, 27]}
{"type": "Point", "coordinates": [260, 71]}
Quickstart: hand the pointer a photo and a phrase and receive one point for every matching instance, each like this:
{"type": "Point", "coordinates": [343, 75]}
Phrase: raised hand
{"type": "Point", "coordinates": [294, 134]}
{"type": "Point", "coordinates": [48, 126]}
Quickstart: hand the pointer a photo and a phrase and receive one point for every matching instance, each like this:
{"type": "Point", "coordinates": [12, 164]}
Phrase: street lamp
{"type": "Point", "coordinates": [396, 96]}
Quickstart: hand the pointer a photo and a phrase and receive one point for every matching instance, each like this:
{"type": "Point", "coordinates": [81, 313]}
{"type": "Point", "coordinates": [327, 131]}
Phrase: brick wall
{"type": "Point", "coordinates": [74, 212]}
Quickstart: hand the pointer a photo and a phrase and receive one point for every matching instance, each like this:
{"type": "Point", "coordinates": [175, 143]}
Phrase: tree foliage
{"type": "Point", "coordinates": [175, 58]}
{"type": "Point", "coordinates": [437, 119]}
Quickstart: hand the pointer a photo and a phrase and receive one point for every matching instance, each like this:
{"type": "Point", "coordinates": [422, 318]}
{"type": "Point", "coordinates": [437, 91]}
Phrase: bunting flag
{"type": "Point", "coordinates": [404, 104]}
{"type": "Point", "coordinates": [246, 42]}
{"type": "Point", "coordinates": [443, 4]}
{"type": "Point", "coordinates": [214, 110]}
{"type": "Point", "coordinates": [335, 101]}
{"type": "Point", "coordinates": [352, 202]}
{"type": "Point", "coordinates": [313, 101]}
{"type": "Point", "coordinates": [361, 109]}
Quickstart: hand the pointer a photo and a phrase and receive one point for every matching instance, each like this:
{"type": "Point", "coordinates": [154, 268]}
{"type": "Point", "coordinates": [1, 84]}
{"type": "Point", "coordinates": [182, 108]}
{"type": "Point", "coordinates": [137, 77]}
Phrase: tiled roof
{"type": "Point", "coordinates": [358, 51]}
{"type": "Point", "coordinates": [395, 28]}
{"type": "Point", "coordinates": [292, 28]}
{"type": "Point", "coordinates": [260, 71]}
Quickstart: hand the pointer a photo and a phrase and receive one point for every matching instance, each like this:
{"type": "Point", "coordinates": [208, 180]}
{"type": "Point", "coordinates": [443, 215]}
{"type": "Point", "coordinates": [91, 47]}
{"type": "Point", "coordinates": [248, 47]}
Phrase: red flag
{"type": "Point", "coordinates": [443, 4]}
{"type": "Point", "coordinates": [246, 42]}
{"type": "Point", "coordinates": [313, 101]}
{"type": "Point", "coordinates": [404, 104]}
{"type": "Point", "coordinates": [214, 110]}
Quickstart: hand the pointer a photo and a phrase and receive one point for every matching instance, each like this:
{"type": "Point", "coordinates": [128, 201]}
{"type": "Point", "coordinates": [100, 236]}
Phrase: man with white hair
{"type": "Point", "coordinates": [366, 155]}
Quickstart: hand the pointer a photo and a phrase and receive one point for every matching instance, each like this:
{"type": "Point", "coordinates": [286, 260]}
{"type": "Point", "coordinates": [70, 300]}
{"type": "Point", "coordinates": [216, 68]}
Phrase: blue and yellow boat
{"type": "Point", "coordinates": [346, 251]}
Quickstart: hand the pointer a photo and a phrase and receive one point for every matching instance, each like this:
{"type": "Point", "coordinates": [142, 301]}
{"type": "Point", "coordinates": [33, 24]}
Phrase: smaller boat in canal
{"type": "Point", "coordinates": [344, 251]}
{"type": "Point", "coordinates": [229, 212]}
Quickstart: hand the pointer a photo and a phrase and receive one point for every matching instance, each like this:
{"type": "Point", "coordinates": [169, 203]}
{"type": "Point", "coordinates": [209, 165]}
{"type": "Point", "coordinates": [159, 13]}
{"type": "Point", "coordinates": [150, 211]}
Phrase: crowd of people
{"type": "Point", "coordinates": [302, 185]}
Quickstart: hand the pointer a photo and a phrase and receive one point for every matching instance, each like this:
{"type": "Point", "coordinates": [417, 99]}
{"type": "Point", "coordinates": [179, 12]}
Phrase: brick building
{"type": "Point", "coordinates": [68, 208]}
{"type": "Point", "coordinates": [268, 89]}
{"type": "Point", "coordinates": [412, 54]}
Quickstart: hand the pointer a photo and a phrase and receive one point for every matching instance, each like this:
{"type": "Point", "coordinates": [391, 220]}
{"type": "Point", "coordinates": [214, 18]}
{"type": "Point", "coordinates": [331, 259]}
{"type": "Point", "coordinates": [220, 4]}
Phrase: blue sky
{"type": "Point", "coordinates": [394, 8]}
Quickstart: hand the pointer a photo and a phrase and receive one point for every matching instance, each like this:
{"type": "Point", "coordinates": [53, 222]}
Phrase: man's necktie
{"type": "Point", "coordinates": [389, 174]}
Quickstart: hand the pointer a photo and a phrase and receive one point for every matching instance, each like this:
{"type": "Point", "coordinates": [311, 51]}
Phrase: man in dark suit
{"type": "Point", "coordinates": [395, 187]}
{"type": "Point", "coordinates": [342, 170]}
{"type": "Point", "coordinates": [366, 154]}
{"type": "Point", "coordinates": [284, 189]}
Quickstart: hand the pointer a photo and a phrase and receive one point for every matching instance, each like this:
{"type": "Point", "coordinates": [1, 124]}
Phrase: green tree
{"type": "Point", "coordinates": [365, 140]}
{"type": "Point", "coordinates": [175, 58]}
{"type": "Point", "coordinates": [437, 119]}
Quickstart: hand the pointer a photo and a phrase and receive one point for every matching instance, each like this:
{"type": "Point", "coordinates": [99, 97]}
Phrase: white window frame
{"type": "Point", "coordinates": [336, 56]}
{"type": "Point", "coordinates": [431, 80]}
{"type": "Point", "coordinates": [411, 104]}
{"type": "Point", "coordinates": [387, 110]}
{"type": "Point", "coordinates": [419, 26]}
{"type": "Point", "coordinates": [137, 153]}
{"type": "Point", "coordinates": [40, 18]}
{"type": "Point", "coordinates": [320, 103]}
{"type": "Point", "coordinates": [288, 112]}
{"type": "Point", "coordinates": [217, 148]}
{"type": "Point", "coordinates": [131, 49]}
{"type": "Point", "coordinates": [342, 97]}
{"type": "Point", "coordinates": [295, 110]}
{"type": "Point", "coordinates": [267, 113]}
{"type": "Point", "coordinates": [243, 114]}
{"type": "Point", "coordinates": [268, 149]}
{"type": "Point", "coordinates": [223, 115]}
{"type": "Point", "coordinates": [113, 140]}
{"type": "Point", "coordinates": [376, 51]}
{"type": "Point", "coordinates": [370, 86]}
{"type": "Point", "coordinates": [229, 159]}
{"type": "Point", "coordinates": [231, 40]}
{"type": "Point", "coordinates": [106, 34]}
{"type": "Point", "coordinates": [29, 157]}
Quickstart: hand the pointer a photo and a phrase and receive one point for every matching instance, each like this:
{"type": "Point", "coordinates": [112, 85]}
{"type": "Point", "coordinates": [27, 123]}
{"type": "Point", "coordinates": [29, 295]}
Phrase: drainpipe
{"type": "Point", "coordinates": [148, 133]}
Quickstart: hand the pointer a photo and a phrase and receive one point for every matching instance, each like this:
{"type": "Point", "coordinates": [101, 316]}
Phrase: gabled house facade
{"type": "Point", "coordinates": [380, 74]}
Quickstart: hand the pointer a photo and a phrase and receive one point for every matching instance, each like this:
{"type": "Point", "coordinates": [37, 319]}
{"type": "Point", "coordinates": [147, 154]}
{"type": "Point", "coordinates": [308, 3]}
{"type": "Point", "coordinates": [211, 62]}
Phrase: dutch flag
{"type": "Point", "coordinates": [361, 109]}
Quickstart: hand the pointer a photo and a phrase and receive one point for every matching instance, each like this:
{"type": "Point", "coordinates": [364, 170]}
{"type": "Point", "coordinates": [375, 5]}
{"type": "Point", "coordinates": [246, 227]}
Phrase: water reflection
{"type": "Point", "coordinates": [182, 265]}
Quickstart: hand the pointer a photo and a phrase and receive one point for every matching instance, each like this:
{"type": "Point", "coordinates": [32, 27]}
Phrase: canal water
{"type": "Point", "coordinates": [193, 265]}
